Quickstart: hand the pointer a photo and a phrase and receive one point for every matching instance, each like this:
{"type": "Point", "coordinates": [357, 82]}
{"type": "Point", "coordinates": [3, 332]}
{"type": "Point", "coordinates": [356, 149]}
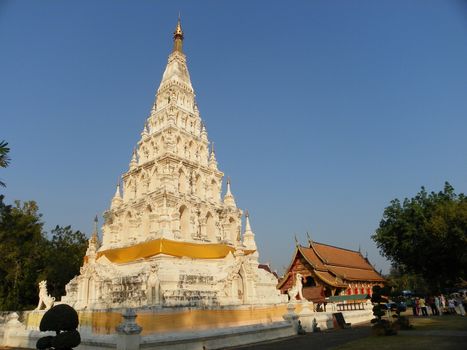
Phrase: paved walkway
{"type": "Point", "coordinates": [322, 340]}
{"type": "Point", "coordinates": [331, 339]}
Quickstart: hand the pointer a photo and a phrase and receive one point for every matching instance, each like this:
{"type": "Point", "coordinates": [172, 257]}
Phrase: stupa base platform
{"type": "Point", "coordinates": [164, 328]}
{"type": "Point", "coordinates": [182, 328]}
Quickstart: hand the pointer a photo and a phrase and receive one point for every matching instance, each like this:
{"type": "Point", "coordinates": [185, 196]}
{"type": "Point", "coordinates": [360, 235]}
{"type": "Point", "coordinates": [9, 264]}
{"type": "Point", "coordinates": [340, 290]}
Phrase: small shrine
{"type": "Point", "coordinates": [326, 271]}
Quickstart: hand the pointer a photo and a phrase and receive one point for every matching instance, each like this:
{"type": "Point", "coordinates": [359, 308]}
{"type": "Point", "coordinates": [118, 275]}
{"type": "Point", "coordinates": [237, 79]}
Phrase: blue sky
{"type": "Point", "coordinates": [321, 111]}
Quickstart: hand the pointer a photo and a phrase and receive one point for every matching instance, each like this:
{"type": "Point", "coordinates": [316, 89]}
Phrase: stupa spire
{"type": "Point", "coordinates": [93, 244]}
{"type": "Point", "coordinates": [247, 223]}
{"type": "Point", "coordinates": [117, 199]}
{"type": "Point", "coordinates": [212, 158]}
{"type": "Point", "coordinates": [229, 199]}
{"type": "Point", "coordinates": [178, 36]}
{"type": "Point", "coordinates": [176, 77]}
{"type": "Point", "coordinates": [249, 236]}
{"type": "Point", "coordinates": [134, 159]}
{"type": "Point", "coordinates": [96, 221]}
{"type": "Point", "coordinates": [204, 133]}
{"type": "Point", "coordinates": [228, 192]}
{"type": "Point", "coordinates": [145, 130]}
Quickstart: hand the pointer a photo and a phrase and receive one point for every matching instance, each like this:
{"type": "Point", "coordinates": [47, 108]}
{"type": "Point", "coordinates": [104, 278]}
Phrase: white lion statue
{"type": "Point", "coordinates": [296, 289]}
{"type": "Point", "coordinates": [44, 297]}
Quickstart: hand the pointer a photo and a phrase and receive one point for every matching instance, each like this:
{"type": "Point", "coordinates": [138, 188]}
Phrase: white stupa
{"type": "Point", "coordinates": [169, 237]}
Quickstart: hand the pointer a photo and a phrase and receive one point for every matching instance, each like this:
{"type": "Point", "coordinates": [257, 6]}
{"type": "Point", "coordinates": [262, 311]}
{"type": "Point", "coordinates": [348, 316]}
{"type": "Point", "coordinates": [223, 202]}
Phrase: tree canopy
{"type": "Point", "coordinates": [21, 248]}
{"type": "Point", "coordinates": [427, 236]}
{"type": "Point", "coordinates": [4, 159]}
{"type": "Point", "coordinates": [27, 256]}
{"type": "Point", "coordinates": [64, 257]}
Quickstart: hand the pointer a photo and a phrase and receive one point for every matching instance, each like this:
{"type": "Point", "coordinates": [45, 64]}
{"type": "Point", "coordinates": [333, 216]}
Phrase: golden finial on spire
{"type": "Point", "coordinates": [94, 237]}
{"type": "Point", "coordinates": [178, 36]}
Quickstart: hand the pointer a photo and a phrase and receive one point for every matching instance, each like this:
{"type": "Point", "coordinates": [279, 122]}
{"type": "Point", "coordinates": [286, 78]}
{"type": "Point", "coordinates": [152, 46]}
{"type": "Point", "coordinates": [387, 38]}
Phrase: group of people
{"type": "Point", "coordinates": [439, 305]}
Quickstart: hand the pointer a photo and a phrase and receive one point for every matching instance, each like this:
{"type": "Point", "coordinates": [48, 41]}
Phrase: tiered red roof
{"type": "Point", "coordinates": [334, 265]}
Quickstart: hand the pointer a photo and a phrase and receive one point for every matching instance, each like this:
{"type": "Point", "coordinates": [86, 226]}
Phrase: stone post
{"type": "Point", "coordinates": [13, 331]}
{"type": "Point", "coordinates": [128, 331]}
{"type": "Point", "coordinates": [291, 316]}
{"type": "Point", "coordinates": [306, 316]}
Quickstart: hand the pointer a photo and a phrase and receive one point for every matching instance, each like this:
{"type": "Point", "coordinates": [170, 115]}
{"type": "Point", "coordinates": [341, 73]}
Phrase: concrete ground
{"type": "Point", "coordinates": [328, 339]}
{"type": "Point", "coordinates": [337, 338]}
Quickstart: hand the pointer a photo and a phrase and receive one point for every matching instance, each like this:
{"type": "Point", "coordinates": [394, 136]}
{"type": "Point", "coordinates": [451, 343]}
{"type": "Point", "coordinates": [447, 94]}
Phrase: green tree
{"type": "Point", "coordinates": [27, 256]}
{"type": "Point", "coordinates": [400, 280]}
{"type": "Point", "coordinates": [65, 252]}
{"type": "Point", "coordinates": [22, 245]}
{"type": "Point", "coordinates": [427, 236]}
{"type": "Point", "coordinates": [4, 160]}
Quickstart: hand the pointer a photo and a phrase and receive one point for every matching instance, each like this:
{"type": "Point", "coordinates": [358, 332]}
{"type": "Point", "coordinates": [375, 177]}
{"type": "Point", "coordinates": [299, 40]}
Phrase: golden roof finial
{"type": "Point", "coordinates": [178, 29]}
{"type": "Point", "coordinates": [178, 36]}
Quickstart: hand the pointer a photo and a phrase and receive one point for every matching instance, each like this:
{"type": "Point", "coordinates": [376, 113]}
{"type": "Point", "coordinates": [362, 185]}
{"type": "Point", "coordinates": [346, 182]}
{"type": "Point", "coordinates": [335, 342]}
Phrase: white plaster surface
{"type": "Point", "coordinates": [172, 190]}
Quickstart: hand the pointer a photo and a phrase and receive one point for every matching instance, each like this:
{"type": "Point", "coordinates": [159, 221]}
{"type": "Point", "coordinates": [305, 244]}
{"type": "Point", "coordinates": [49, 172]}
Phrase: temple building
{"type": "Point", "coordinates": [330, 271]}
{"type": "Point", "coordinates": [170, 238]}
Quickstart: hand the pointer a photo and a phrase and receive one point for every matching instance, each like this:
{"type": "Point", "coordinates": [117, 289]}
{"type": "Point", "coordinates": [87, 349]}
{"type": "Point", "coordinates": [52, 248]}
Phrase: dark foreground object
{"type": "Point", "coordinates": [339, 319]}
{"type": "Point", "coordinates": [63, 320]}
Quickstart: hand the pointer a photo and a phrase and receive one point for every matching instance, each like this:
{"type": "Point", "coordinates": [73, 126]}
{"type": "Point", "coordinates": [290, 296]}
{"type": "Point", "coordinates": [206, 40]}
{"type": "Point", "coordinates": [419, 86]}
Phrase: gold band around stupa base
{"type": "Point", "coordinates": [148, 249]}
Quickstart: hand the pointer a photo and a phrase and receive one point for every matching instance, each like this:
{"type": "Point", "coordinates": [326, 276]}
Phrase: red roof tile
{"type": "Point", "coordinates": [311, 257]}
{"type": "Point", "coordinates": [352, 274]}
{"type": "Point", "coordinates": [340, 257]}
{"type": "Point", "coordinates": [335, 265]}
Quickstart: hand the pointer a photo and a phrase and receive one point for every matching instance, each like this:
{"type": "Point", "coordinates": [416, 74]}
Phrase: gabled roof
{"type": "Point", "coordinates": [335, 256]}
{"type": "Point", "coordinates": [334, 265]}
{"type": "Point", "coordinates": [344, 263]}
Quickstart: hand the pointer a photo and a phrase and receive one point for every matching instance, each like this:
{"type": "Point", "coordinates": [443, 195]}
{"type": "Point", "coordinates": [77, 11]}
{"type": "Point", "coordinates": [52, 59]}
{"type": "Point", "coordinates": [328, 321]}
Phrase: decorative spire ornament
{"type": "Point", "coordinates": [93, 244]}
{"type": "Point", "coordinates": [117, 199]}
{"type": "Point", "coordinates": [247, 222]}
{"type": "Point", "coordinates": [204, 133]}
{"type": "Point", "coordinates": [308, 235]}
{"type": "Point", "coordinates": [96, 221]}
{"type": "Point", "coordinates": [249, 236]}
{"type": "Point", "coordinates": [229, 199]}
{"type": "Point", "coordinates": [178, 37]}
{"type": "Point", "coordinates": [145, 130]}
{"type": "Point", "coordinates": [212, 158]}
{"type": "Point", "coordinates": [134, 160]}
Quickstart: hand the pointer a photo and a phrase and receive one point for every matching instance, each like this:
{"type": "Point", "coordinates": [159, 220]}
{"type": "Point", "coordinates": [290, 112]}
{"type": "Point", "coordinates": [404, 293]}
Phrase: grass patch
{"type": "Point", "coordinates": [406, 342]}
{"type": "Point", "coordinates": [446, 322]}
{"type": "Point", "coordinates": [420, 338]}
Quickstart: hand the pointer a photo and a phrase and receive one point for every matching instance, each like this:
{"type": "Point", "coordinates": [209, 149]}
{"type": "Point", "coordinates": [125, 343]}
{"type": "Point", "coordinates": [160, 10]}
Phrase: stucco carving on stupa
{"type": "Point", "coordinates": [169, 237]}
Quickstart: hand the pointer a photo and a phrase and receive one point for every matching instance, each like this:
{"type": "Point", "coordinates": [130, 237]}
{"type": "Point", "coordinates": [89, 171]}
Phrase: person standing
{"type": "Point", "coordinates": [451, 306]}
{"type": "Point", "coordinates": [460, 306]}
{"type": "Point", "coordinates": [442, 299]}
{"type": "Point", "coordinates": [422, 304]}
{"type": "Point", "coordinates": [438, 306]}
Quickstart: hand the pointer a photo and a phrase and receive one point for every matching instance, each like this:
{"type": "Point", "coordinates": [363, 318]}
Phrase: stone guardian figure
{"type": "Point", "coordinates": [44, 298]}
{"type": "Point", "coordinates": [153, 286]}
